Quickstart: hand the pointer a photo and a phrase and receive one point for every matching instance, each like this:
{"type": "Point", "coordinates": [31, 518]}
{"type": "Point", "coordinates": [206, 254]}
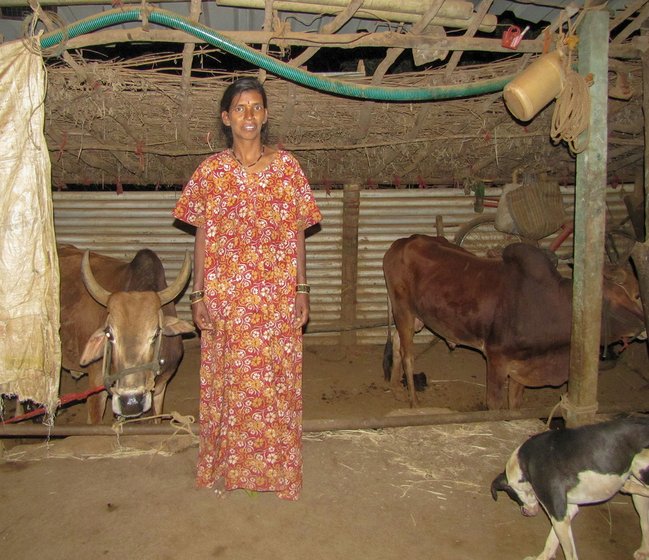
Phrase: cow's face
{"type": "Point", "coordinates": [131, 339]}
{"type": "Point", "coordinates": [514, 483]}
{"type": "Point", "coordinates": [133, 329]}
{"type": "Point", "coordinates": [623, 315]}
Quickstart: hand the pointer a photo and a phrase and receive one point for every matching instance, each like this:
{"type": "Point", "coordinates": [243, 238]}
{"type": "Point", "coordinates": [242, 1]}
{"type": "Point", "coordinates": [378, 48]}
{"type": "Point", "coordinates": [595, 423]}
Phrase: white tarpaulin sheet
{"type": "Point", "coordinates": [30, 349]}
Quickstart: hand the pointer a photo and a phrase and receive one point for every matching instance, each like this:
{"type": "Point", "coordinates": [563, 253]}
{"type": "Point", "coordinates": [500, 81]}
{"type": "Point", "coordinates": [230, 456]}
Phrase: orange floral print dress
{"type": "Point", "coordinates": [251, 362]}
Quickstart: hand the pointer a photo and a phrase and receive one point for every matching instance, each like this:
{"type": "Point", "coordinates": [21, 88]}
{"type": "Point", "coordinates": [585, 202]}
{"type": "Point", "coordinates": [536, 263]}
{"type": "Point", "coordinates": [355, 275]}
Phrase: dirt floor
{"type": "Point", "coordinates": [410, 492]}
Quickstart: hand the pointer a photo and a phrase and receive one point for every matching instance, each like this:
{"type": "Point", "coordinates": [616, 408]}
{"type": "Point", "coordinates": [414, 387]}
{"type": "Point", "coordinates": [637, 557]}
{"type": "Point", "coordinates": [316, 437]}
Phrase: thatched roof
{"type": "Point", "coordinates": [139, 121]}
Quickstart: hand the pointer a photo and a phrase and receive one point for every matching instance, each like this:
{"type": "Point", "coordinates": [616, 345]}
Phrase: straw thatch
{"type": "Point", "coordinates": [137, 122]}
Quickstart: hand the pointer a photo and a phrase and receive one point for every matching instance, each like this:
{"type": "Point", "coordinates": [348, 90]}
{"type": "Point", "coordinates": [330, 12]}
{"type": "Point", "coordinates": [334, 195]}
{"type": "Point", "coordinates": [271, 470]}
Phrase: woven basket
{"type": "Point", "coordinates": [537, 208]}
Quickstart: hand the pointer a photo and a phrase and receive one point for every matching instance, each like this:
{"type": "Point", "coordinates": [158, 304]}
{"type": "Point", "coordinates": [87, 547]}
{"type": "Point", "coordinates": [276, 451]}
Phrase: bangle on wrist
{"type": "Point", "coordinates": [192, 302]}
{"type": "Point", "coordinates": [303, 288]}
{"type": "Point", "coordinates": [196, 295]}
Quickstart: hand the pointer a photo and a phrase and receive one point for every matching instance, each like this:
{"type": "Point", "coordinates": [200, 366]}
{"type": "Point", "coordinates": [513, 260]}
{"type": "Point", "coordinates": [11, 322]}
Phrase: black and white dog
{"type": "Point", "coordinates": [563, 469]}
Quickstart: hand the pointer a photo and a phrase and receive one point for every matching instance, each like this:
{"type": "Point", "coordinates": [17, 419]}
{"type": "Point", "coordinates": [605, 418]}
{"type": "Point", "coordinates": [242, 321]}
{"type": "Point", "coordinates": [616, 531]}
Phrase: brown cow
{"type": "Point", "coordinates": [123, 312]}
{"type": "Point", "coordinates": [516, 310]}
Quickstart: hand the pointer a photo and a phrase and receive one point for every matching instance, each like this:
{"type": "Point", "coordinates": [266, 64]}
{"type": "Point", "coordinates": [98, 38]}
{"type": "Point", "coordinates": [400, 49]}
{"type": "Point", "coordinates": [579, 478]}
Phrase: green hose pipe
{"type": "Point", "coordinates": [279, 68]}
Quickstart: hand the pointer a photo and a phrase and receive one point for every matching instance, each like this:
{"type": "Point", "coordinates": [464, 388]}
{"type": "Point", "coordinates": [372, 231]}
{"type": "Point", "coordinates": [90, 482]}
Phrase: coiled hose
{"type": "Point", "coordinates": [277, 67]}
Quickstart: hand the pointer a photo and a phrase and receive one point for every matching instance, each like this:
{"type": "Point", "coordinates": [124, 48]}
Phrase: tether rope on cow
{"type": "Point", "coordinates": [182, 425]}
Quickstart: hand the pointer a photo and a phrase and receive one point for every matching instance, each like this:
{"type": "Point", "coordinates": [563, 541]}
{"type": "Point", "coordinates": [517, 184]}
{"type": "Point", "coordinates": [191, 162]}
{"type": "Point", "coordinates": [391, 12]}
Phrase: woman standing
{"type": "Point", "coordinates": [250, 205]}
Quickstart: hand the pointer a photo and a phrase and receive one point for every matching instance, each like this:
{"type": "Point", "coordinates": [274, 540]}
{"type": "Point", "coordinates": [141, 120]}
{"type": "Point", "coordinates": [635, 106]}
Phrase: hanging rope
{"type": "Point", "coordinates": [572, 110]}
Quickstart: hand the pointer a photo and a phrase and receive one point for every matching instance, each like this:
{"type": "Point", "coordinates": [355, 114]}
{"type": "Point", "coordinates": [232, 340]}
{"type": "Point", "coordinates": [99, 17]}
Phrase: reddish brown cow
{"type": "Point", "coordinates": [122, 312]}
{"type": "Point", "coordinates": [516, 310]}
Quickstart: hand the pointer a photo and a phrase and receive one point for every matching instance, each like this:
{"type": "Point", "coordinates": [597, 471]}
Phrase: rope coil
{"type": "Point", "coordinates": [572, 109]}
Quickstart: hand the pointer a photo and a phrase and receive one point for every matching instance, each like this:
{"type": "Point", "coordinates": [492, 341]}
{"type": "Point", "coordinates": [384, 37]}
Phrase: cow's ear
{"type": "Point", "coordinates": [173, 325]}
{"type": "Point", "coordinates": [617, 275]}
{"type": "Point", "coordinates": [94, 347]}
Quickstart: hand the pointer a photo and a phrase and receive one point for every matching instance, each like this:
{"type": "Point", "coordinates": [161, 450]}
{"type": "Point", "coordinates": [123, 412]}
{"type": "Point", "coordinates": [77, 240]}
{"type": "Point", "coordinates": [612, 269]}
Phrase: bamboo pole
{"type": "Point", "coordinates": [339, 40]}
{"type": "Point", "coordinates": [309, 425]}
{"type": "Point", "coordinates": [455, 9]}
{"type": "Point", "coordinates": [487, 25]}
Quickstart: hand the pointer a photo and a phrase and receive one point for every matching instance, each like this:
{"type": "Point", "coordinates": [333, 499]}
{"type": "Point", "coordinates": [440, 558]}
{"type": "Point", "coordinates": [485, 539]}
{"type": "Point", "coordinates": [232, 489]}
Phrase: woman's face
{"type": "Point", "coordinates": [246, 116]}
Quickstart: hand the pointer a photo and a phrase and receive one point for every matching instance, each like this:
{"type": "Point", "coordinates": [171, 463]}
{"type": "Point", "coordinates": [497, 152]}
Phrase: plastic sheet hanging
{"type": "Point", "coordinates": [30, 350]}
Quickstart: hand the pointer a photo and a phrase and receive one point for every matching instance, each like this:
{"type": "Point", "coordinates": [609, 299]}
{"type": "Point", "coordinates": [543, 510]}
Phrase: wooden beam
{"type": "Point", "coordinates": [483, 8]}
{"type": "Point", "coordinates": [385, 39]}
{"type": "Point", "coordinates": [182, 119]}
{"type": "Point", "coordinates": [349, 273]}
{"type": "Point", "coordinates": [341, 19]}
{"type": "Point", "coordinates": [640, 253]}
{"type": "Point", "coordinates": [633, 26]}
{"type": "Point", "coordinates": [267, 26]}
{"type": "Point", "coordinates": [580, 404]}
{"type": "Point", "coordinates": [390, 57]}
{"type": "Point", "coordinates": [626, 13]}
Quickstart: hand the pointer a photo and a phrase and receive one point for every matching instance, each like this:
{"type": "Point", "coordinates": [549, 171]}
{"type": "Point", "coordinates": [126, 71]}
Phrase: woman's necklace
{"type": "Point", "coordinates": [249, 165]}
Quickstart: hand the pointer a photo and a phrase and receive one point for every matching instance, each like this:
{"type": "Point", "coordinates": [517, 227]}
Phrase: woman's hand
{"type": "Point", "coordinates": [301, 310]}
{"type": "Point", "coordinates": [200, 316]}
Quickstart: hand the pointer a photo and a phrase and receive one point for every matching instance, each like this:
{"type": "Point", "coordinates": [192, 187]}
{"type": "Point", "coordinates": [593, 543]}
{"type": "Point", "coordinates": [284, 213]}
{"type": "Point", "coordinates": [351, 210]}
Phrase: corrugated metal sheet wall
{"type": "Point", "coordinates": [119, 225]}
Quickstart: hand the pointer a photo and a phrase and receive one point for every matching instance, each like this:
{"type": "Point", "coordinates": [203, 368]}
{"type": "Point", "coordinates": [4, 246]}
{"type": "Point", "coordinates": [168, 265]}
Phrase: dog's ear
{"type": "Point", "coordinates": [499, 483]}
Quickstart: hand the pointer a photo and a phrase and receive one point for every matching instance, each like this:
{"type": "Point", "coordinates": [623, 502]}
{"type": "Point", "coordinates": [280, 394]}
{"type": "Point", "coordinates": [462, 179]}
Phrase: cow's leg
{"type": "Point", "coordinates": [408, 356]}
{"type": "Point", "coordinates": [496, 381]}
{"type": "Point", "coordinates": [515, 394]}
{"type": "Point", "coordinates": [395, 370]}
{"type": "Point", "coordinates": [159, 397]}
{"type": "Point", "coordinates": [95, 404]}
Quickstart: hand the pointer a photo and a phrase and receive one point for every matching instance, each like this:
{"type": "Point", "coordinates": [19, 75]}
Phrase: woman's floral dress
{"type": "Point", "coordinates": [251, 363]}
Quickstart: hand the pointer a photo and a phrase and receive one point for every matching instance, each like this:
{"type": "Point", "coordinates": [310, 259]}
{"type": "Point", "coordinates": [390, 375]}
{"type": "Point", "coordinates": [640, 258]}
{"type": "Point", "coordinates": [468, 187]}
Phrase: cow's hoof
{"type": "Point", "coordinates": [420, 380]}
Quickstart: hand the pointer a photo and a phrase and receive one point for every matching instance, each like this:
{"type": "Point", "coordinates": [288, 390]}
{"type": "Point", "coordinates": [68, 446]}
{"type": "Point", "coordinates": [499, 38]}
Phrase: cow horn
{"type": "Point", "coordinates": [170, 292]}
{"type": "Point", "coordinates": [96, 291]}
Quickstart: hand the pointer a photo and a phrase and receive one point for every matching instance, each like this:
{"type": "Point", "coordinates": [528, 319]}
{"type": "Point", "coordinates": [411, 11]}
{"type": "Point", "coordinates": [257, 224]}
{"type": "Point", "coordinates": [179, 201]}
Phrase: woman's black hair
{"type": "Point", "coordinates": [233, 91]}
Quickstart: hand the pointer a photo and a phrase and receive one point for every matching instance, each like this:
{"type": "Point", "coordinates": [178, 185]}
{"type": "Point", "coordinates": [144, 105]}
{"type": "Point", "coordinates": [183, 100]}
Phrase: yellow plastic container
{"type": "Point", "coordinates": [537, 85]}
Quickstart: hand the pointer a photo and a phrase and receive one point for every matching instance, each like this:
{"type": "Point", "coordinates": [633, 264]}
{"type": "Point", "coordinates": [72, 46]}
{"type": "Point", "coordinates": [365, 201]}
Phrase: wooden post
{"type": "Point", "coordinates": [580, 404]}
{"type": "Point", "coordinates": [640, 254]}
{"type": "Point", "coordinates": [351, 206]}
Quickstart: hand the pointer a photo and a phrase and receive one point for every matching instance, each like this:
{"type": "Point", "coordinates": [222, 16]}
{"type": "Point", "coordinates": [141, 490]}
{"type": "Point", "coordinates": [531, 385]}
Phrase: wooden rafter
{"type": "Point", "coordinates": [195, 9]}
{"type": "Point", "coordinates": [625, 14]}
{"type": "Point", "coordinates": [482, 10]}
{"type": "Point", "coordinates": [633, 26]}
{"type": "Point", "coordinates": [268, 26]}
{"type": "Point", "coordinates": [390, 58]}
{"type": "Point", "coordinates": [387, 39]}
{"type": "Point", "coordinates": [341, 19]}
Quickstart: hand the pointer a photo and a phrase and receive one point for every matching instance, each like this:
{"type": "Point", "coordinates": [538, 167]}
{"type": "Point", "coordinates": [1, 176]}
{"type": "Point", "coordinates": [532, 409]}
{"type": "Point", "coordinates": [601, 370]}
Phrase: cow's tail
{"type": "Point", "coordinates": [387, 350]}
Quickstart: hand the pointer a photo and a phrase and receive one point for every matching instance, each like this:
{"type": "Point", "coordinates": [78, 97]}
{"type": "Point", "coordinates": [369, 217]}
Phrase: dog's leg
{"type": "Point", "coordinates": [561, 533]}
{"type": "Point", "coordinates": [641, 504]}
{"type": "Point", "coordinates": [550, 549]}
{"type": "Point", "coordinates": [631, 486]}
